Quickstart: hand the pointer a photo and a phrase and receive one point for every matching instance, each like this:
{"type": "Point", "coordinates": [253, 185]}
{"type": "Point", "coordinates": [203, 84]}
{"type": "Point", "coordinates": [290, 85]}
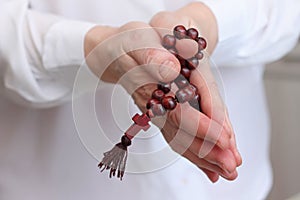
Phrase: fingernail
{"type": "Point", "coordinates": [166, 69]}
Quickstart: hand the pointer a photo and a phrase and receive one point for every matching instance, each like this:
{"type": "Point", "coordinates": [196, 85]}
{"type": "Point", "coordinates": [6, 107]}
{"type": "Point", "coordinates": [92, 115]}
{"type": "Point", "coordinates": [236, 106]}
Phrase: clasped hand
{"type": "Point", "coordinates": [132, 56]}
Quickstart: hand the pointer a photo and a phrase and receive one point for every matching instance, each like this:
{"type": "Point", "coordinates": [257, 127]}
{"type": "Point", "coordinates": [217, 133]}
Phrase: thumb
{"type": "Point", "coordinates": [160, 64]}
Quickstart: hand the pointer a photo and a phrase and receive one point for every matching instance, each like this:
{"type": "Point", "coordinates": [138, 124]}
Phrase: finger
{"type": "Point", "coordinates": [235, 151]}
{"type": "Point", "coordinates": [211, 102]}
{"type": "Point", "coordinates": [161, 64]}
{"type": "Point", "coordinates": [208, 151]}
{"type": "Point", "coordinates": [213, 176]}
{"type": "Point", "coordinates": [199, 125]}
{"type": "Point", "coordinates": [165, 21]}
{"type": "Point", "coordinates": [233, 145]}
{"type": "Point", "coordinates": [201, 163]}
{"type": "Point", "coordinates": [143, 44]}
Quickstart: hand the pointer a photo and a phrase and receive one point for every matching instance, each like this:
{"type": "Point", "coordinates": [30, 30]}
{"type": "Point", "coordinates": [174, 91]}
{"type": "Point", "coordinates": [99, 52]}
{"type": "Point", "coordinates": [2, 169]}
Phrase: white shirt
{"type": "Point", "coordinates": [41, 154]}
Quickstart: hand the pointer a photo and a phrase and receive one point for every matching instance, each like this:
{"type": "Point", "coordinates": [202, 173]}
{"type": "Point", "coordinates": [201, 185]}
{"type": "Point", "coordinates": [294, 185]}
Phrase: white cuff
{"type": "Point", "coordinates": [64, 44]}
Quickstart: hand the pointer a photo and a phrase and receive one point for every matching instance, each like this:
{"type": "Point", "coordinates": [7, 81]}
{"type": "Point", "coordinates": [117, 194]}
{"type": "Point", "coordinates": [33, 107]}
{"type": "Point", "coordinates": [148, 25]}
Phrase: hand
{"type": "Point", "coordinates": [115, 60]}
{"type": "Point", "coordinates": [211, 145]}
{"type": "Point", "coordinates": [130, 55]}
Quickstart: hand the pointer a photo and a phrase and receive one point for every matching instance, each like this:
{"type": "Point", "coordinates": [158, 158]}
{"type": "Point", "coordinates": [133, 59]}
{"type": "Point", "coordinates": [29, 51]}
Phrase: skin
{"type": "Point", "coordinates": [205, 138]}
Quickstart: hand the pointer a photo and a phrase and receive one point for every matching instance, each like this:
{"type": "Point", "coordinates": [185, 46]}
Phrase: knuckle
{"type": "Point", "coordinates": [134, 31]}
{"type": "Point", "coordinates": [134, 24]}
{"type": "Point", "coordinates": [150, 56]}
{"type": "Point", "coordinates": [159, 18]}
{"type": "Point", "coordinates": [226, 129]}
{"type": "Point", "coordinates": [150, 53]}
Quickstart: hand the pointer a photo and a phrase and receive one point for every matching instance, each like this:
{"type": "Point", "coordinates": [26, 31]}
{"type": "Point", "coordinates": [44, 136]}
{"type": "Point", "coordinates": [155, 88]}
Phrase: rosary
{"type": "Point", "coordinates": [115, 159]}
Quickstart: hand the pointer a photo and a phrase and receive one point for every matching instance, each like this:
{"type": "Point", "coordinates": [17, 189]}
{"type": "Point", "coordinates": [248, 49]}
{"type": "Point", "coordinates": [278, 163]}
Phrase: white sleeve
{"type": "Point", "coordinates": [39, 54]}
{"type": "Point", "coordinates": [254, 31]}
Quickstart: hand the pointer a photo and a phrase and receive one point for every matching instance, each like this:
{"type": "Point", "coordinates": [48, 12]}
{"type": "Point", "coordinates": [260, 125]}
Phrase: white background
{"type": "Point", "coordinates": [282, 81]}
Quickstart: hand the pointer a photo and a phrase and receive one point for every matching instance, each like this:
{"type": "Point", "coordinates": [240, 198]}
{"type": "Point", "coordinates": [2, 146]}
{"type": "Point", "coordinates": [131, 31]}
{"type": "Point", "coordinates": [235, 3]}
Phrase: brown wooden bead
{"type": "Point", "coordinates": [192, 63]}
{"type": "Point", "coordinates": [125, 141]}
{"type": "Point", "coordinates": [165, 87]}
{"type": "Point", "coordinates": [190, 91]}
{"type": "Point", "coordinates": [201, 43]}
{"type": "Point", "coordinates": [197, 97]}
{"type": "Point", "coordinates": [195, 102]}
{"type": "Point", "coordinates": [180, 32]}
{"type": "Point", "coordinates": [151, 102]}
{"type": "Point", "coordinates": [192, 33]}
{"type": "Point", "coordinates": [182, 96]}
{"type": "Point", "coordinates": [169, 102]}
{"type": "Point", "coordinates": [193, 87]}
{"type": "Point", "coordinates": [186, 94]}
{"type": "Point", "coordinates": [199, 55]}
{"type": "Point", "coordinates": [185, 72]}
{"type": "Point", "coordinates": [158, 110]}
{"type": "Point", "coordinates": [158, 94]}
{"type": "Point", "coordinates": [182, 61]}
{"type": "Point", "coordinates": [169, 41]}
{"type": "Point", "coordinates": [181, 82]}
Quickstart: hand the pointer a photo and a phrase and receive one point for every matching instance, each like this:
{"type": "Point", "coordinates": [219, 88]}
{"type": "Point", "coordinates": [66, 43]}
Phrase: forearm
{"type": "Point", "coordinates": [40, 53]}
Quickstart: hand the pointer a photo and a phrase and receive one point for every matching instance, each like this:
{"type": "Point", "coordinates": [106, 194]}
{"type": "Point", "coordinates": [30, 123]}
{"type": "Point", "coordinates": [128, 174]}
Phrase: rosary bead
{"type": "Point", "coordinates": [193, 63]}
{"type": "Point", "coordinates": [186, 94]}
{"type": "Point", "coordinates": [185, 72]}
{"type": "Point", "coordinates": [189, 91]}
{"type": "Point", "coordinates": [165, 87]}
{"type": "Point", "coordinates": [181, 96]}
{"type": "Point", "coordinates": [192, 33]}
{"type": "Point", "coordinates": [158, 94]}
{"type": "Point", "coordinates": [193, 88]}
{"type": "Point", "coordinates": [180, 32]}
{"type": "Point", "coordinates": [197, 97]}
{"type": "Point", "coordinates": [169, 41]}
{"type": "Point", "coordinates": [182, 61]}
{"type": "Point", "coordinates": [158, 110]}
{"type": "Point", "coordinates": [151, 102]}
{"type": "Point", "coordinates": [199, 55]}
{"type": "Point", "coordinates": [125, 141]}
{"type": "Point", "coordinates": [181, 82]}
{"type": "Point", "coordinates": [201, 43]}
{"type": "Point", "coordinates": [169, 102]}
{"type": "Point", "coordinates": [195, 102]}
